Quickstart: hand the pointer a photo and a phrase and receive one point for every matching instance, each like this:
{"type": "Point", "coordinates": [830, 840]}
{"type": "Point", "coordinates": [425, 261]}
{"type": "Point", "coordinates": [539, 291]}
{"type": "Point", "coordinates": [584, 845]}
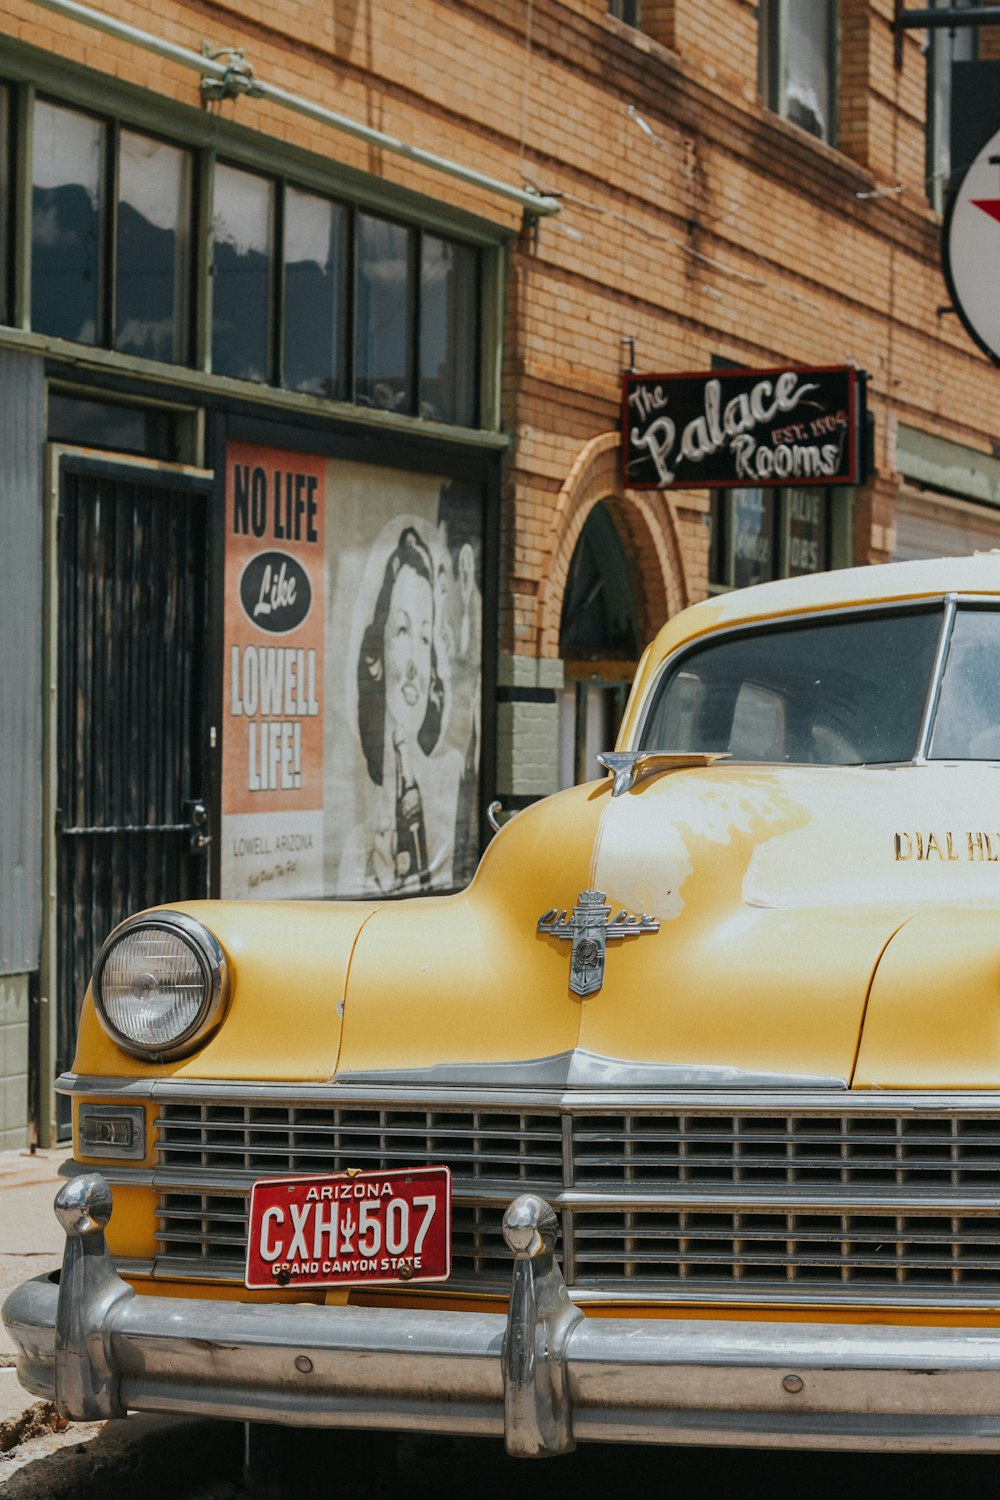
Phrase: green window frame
{"type": "Point", "coordinates": [300, 322]}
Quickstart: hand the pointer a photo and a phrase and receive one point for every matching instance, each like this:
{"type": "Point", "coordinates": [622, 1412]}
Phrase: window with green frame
{"type": "Point", "coordinates": [300, 290]}
{"type": "Point", "coordinates": [798, 63]}
{"type": "Point", "coordinates": [624, 10]}
{"type": "Point", "coordinates": [111, 235]}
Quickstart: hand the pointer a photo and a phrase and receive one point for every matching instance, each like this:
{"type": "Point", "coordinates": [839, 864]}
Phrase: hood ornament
{"type": "Point", "coordinates": [631, 766]}
{"type": "Point", "coordinates": [589, 929]}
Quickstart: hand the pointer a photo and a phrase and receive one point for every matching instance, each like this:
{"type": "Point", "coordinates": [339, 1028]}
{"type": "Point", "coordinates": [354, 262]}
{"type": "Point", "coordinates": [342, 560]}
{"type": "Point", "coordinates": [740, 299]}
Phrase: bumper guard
{"type": "Point", "coordinates": [542, 1374]}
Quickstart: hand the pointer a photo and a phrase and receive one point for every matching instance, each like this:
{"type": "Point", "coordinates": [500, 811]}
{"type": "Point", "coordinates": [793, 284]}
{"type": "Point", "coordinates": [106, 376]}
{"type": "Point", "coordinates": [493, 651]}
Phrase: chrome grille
{"type": "Point", "coordinates": [806, 1250]}
{"type": "Point", "coordinates": [205, 1235]}
{"type": "Point", "coordinates": [765, 1151]}
{"type": "Point", "coordinates": [524, 1150]}
{"type": "Point", "coordinates": [794, 1202]}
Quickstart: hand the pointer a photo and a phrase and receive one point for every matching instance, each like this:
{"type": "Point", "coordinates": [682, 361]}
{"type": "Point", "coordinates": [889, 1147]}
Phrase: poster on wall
{"type": "Point", "coordinates": [404, 653]}
{"type": "Point", "coordinates": [353, 640]}
{"type": "Point", "coordinates": [274, 640]}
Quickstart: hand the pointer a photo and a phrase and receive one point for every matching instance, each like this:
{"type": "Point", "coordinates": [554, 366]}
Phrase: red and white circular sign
{"type": "Point", "coordinates": [971, 248]}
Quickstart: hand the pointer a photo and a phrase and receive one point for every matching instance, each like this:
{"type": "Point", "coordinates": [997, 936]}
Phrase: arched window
{"type": "Point", "coordinates": [599, 642]}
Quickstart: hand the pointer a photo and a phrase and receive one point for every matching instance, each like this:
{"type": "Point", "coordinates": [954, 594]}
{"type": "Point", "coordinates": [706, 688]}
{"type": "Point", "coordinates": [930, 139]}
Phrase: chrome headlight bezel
{"type": "Point", "coordinates": [211, 961]}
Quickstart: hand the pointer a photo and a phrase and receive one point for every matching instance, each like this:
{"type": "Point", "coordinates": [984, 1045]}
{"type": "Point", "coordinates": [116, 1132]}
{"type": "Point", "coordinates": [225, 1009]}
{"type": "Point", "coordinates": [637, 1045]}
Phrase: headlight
{"type": "Point", "coordinates": [160, 985]}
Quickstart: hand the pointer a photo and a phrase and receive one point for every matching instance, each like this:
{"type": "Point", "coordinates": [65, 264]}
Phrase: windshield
{"type": "Point", "coordinates": [830, 692]}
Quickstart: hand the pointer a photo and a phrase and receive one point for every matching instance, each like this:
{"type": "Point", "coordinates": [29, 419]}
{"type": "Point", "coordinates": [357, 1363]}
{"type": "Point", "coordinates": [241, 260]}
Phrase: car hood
{"type": "Point", "coordinates": [777, 891]}
{"type": "Point", "coordinates": [795, 909]}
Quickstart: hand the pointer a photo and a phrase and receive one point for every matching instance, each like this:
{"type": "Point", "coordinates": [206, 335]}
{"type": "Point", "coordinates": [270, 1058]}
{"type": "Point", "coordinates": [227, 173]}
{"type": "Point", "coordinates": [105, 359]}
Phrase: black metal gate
{"type": "Point", "coordinates": [133, 709]}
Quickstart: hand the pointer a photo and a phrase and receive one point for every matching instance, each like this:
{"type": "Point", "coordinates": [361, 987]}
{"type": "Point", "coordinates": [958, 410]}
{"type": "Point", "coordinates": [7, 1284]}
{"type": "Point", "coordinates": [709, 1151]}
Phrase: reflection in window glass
{"type": "Point", "coordinates": [385, 302]}
{"type": "Point", "coordinates": [808, 79]}
{"type": "Point", "coordinates": [967, 723]}
{"type": "Point", "coordinates": [152, 432]}
{"type": "Point", "coordinates": [807, 530]}
{"type": "Point", "coordinates": [798, 62]}
{"type": "Point", "coordinates": [154, 248]}
{"type": "Point", "coordinates": [753, 536]}
{"type": "Point", "coordinates": [448, 344]}
{"type": "Point", "coordinates": [243, 253]}
{"type": "Point", "coordinates": [68, 159]}
{"type": "Point", "coordinates": [847, 692]}
{"type": "Point", "coordinates": [758, 727]}
{"type": "Point", "coordinates": [314, 295]}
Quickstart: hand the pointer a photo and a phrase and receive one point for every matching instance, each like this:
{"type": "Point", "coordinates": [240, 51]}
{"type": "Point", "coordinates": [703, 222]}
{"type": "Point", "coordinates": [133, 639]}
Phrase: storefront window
{"type": "Point", "coordinates": [385, 309]}
{"type": "Point", "coordinates": [314, 294]}
{"type": "Point", "coordinates": [753, 536]}
{"type": "Point", "coordinates": [301, 290]}
{"type": "Point", "coordinates": [122, 427]}
{"type": "Point", "coordinates": [153, 283]}
{"type": "Point", "coordinates": [808, 533]}
{"type": "Point", "coordinates": [448, 298]}
{"type": "Point", "coordinates": [243, 235]}
{"type": "Point", "coordinates": [68, 195]}
{"type": "Point", "coordinates": [759, 534]}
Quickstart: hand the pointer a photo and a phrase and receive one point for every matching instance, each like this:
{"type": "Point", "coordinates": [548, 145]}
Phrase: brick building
{"type": "Point", "coordinates": [313, 325]}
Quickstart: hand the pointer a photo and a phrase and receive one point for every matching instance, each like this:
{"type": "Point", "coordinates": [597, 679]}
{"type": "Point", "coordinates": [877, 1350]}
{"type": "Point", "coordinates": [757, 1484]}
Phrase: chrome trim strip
{"type": "Point", "coordinates": [486, 1194]}
{"type": "Point", "coordinates": [390, 1096]}
{"type": "Point", "coordinates": [634, 1294]}
{"type": "Point", "coordinates": [937, 674]}
{"type": "Point", "coordinates": [580, 1069]}
{"type": "Point", "coordinates": [117, 1175]}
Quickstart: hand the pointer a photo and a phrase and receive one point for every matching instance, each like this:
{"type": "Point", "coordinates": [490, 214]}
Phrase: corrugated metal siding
{"type": "Point", "coordinates": [22, 396]}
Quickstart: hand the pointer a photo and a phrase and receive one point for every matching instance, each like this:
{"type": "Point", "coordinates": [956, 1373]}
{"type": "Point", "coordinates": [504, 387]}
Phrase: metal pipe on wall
{"type": "Point", "coordinates": [538, 204]}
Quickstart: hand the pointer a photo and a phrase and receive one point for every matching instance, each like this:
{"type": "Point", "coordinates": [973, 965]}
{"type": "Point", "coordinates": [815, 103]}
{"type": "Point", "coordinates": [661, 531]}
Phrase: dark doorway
{"type": "Point", "coordinates": [599, 645]}
{"type": "Point", "coordinates": [133, 709]}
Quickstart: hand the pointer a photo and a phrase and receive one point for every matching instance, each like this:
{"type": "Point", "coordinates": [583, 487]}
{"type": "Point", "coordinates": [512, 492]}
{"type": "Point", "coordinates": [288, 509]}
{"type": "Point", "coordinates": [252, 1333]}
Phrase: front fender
{"type": "Point", "coordinates": [933, 1017]}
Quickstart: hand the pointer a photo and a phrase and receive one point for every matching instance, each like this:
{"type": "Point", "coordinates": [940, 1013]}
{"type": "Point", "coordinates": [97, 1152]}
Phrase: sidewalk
{"type": "Point", "coordinates": [42, 1457]}
{"type": "Point", "coordinates": [31, 1242]}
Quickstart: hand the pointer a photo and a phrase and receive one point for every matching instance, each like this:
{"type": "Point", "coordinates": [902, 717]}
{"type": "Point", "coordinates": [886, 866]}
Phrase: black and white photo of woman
{"type": "Point", "coordinates": [407, 842]}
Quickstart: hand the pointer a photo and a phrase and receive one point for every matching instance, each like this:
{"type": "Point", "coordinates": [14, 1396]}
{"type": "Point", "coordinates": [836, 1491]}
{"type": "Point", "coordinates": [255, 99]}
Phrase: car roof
{"type": "Point", "coordinates": [978, 573]}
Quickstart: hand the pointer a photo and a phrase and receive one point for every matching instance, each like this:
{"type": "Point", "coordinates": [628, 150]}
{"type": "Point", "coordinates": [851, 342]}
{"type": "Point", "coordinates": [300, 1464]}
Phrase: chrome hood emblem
{"type": "Point", "coordinates": [629, 767]}
{"type": "Point", "coordinates": [588, 929]}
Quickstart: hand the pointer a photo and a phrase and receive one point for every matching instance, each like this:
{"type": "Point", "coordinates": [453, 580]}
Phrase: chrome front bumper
{"type": "Point", "coordinates": [541, 1374]}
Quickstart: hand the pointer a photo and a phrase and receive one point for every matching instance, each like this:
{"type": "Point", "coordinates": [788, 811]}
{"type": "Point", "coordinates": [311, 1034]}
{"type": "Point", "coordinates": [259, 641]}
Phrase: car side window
{"type": "Point", "coordinates": [967, 724]}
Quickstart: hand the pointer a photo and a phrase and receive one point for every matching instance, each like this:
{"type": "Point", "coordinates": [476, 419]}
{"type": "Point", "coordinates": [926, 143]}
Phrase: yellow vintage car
{"type": "Point", "coordinates": [681, 1124]}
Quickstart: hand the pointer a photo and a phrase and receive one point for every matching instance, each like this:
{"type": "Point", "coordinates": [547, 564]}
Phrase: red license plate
{"type": "Point", "coordinates": [369, 1228]}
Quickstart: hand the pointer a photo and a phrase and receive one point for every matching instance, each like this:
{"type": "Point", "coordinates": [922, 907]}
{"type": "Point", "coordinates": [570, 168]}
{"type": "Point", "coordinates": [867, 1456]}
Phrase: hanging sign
{"type": "Point", "coordinates": [971, 248]}
{"type": "Point", "coordinates": [744, 428]}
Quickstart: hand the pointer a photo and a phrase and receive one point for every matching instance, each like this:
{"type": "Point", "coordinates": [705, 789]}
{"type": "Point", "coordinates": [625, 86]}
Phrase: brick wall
{"type": "Point", "coordinates": [694, 223]}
